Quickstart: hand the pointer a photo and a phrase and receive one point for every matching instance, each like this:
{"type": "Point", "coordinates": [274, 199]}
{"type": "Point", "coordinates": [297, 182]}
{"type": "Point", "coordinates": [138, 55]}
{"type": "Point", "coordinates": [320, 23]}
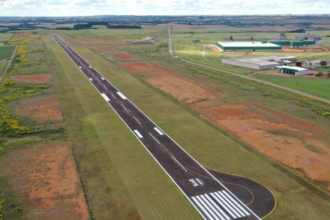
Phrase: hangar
{"type": "Point", "coordinates": [248, 46]}
{"type": "Point", "coordinates": [294, 70]}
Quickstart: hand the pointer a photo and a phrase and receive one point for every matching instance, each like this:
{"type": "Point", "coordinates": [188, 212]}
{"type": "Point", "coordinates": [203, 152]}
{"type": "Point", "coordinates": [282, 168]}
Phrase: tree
{"type": "Point", "coordinates": [231, 38]}
{"type": "Point", "coordinates": [251, 38]}
{"type": "Point", "coordinates": [323, 63]}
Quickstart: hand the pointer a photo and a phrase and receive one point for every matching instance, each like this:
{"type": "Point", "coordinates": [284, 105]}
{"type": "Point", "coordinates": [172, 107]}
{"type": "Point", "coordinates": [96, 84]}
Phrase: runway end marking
{"type": "Point", "coordinates": [121, 95]}
{"type": "Point", "coordinates": [138, 133]}
{"type": "Point", "coordinates": [105, 97]}
{"type": "Point", "coordinates": [158, 131]}
{"type": "Point", "coordinates": [179, 164]}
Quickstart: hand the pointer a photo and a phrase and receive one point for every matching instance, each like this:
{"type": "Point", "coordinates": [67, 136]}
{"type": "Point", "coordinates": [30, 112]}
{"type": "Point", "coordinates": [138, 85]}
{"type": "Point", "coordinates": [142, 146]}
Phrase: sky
{"type": "Point", "coordinates": [161, 7]}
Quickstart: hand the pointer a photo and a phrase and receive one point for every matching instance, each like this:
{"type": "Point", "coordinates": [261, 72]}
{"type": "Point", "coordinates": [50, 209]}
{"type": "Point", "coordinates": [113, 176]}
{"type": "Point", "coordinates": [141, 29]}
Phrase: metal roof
{"type": "Point", "coordinates": [246, 44]}
{"type": "Point", "coordinates": [297, 68]}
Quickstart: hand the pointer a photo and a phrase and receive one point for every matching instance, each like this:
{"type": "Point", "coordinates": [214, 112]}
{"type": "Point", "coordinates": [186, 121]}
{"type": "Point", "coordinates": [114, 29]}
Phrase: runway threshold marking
{"type": "Point", "coordinates": [138, 133]}
{"type": "Point", "coordinates": [236, 203]}
{"type": "Point", "coordinates": [158, 131]}
{"type": "Point", "coordinates": [179, 164]}
{"type": "Point", "coordinates": [105, 97]}
{"type": "Point", "coordinates": [225, 205]}
{"type": "Point", "coordinates": [121, 95]}
{"type": "Point", "coordinates": [137, 120]}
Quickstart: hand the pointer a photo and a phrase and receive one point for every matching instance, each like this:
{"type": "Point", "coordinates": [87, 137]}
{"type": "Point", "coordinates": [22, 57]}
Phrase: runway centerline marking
{"type": "Point", "coordinates": [138, 133]}
{"type": "Point", "coordinates": [137, 120]}
{"type": "Point", "coordinates": [158, 131]}
{"type": "Point", "coordinates": [113, 96]}
{"type": "Point", "coordinates": [153, 137]}
{"type": "Point", "coordinates": [123, 106]}
{"type": "Point", "coordinates": [179, 164]}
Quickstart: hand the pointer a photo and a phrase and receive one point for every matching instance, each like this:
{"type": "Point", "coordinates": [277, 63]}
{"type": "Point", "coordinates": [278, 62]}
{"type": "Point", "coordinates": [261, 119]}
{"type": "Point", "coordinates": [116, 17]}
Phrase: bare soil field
{"type": "Point", "coordinates": [95, 41]}
{"type": "Point", "coordinates": [28, 35]}
{"type": "Point", "coordinates": [40, 78]}
{"type": "Point", "coordinates": [41, 107]}
{"type": "Point", "coordinates": [47, 180]}
{"type": "Point", "coordinates": [123, 56]}
{"type": "Point", "coordinates": [106, 48]}
{"type": "Point", "coordinates": [293, 142]}
{"type": "Point", "coordinates": [304, 49]}
{"type": "Point", "coordinates": [181, 89]}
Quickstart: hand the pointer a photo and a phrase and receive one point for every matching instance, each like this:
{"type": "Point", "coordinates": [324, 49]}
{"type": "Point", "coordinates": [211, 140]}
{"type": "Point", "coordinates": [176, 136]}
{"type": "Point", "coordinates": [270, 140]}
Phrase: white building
{"type": "Point", "coordinates": [294, 70]}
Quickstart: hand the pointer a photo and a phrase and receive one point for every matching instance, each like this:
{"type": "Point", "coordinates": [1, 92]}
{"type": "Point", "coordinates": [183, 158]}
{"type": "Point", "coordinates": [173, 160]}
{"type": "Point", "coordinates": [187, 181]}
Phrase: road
{"type": "Point", "coordinates": [211, 198]}
{"type": "Point", "coordinates": [9, 63]}
{"type": "Point", "coordinates": [171, 51]}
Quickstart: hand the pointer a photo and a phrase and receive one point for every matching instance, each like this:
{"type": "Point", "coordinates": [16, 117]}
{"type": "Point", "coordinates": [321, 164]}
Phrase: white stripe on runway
{"type": "Point", "coordinates": [200, 181]}
{"type": "Point", "coordinates": [235, 202]}
{"type": "Point", "coordinates": [136, 120]}
{"type": "Point", "coordinates": [202, 208]}
{"type": "Point", "coordinates": [207, 208]}
{"type": "Point", "coordinates": [214, 212]}
{"type": "Point", "coordinates": [158, 131]}
{"type": "Point", "coordinates": [138, 133]}
{"type": "Point", "coordinates": [154, 138]}
{"type": "Point", "coordinates": [121, 95]}
{"type": "Point", "coordinates": [221, 195]}
{"type": "Point", "coordinates": [179, 164]}
{"type": "Point", "coordinates": [105, 97]}
{"type": "Point", "coordinates": [223, 203]}
{"type": "Point", "coordinates": [123, 106]}
{"type": "Point", "coordinates": [102, 78]}
{"type": "Point", "coordinates": [217, 207]}
{"type": "Point", "coordinates": [91, 79]}
{"type": "Point", "coordinates": [113, 96]}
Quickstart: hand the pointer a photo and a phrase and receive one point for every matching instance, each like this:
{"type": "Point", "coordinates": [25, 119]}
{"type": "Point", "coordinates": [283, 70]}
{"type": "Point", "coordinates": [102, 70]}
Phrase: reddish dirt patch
{"type": "Point", "coordinates": [167, 81]}
{"type": "Point", "coordinates": [28, 35]}
{"type": "Point", "coordinates": [47, 179]}
{"type": "Point", "coordinates": [106, 48]}
{"type": "Point", "coordinates": [42, 107]}
{"type": "Point", "coordinates": [44, 78]}
{"type": "Point", "coordinates": [95, 41]}
{"type": "Point", "coordinates": [212, 88]}
{"type": "Point", "coordinates": [123, 56]}
{"type": "Point", "coordinates": [292, 120]}
{"type": "Point", "coordinates": [281, 141]}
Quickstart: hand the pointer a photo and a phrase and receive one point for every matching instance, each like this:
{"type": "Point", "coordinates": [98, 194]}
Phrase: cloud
{"type": "Point", "coordinates": [160, 7]}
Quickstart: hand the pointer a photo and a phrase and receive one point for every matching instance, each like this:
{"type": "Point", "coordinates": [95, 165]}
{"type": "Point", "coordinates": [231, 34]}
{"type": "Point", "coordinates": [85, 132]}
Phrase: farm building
{"type": "Point", "coordinates": [294, 70]}
{"type": "Point", "coordinates": [248, 46]}
{"type": "Point", "coordinates": [260, 62]}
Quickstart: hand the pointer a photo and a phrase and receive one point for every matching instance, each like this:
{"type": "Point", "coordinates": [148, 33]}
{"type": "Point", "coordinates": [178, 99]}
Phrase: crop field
{"type": "Point", "coordinates": [315, 86]}
{"type": "Point", "coordinates": [5, 36]}
{"type": "Point", "coordinates": [3, 66]}
{"type": "Point", "coordinates": [222, 121]}
{"type": "Point", "coordinates": [6, 52]}
{"type": "Point", "coordinates": [175, 120]}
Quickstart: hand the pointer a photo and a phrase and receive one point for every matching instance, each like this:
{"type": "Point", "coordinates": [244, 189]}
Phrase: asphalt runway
{"type": "Point", "coordinates": [213, 199]}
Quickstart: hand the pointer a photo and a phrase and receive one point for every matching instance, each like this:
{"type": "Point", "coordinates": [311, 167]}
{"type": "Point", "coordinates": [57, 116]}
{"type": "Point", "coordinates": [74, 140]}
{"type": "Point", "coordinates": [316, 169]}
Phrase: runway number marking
{"type": "Point", "coordinates": [199, 181]}
{"type": "Point", "coordinates": [138, 133]}
{"type": "Point", "coordinates": [121, 95]}
{"type": "Point", "coordinates": [158, 131]}
{"type": "Point", "coordinates": [105, 97]}
{"type": "Point", "coordinates": [193, 182]}
{"type": "Point", "coordinates": [196, 182]}
{"type": "Point", "coordinates": [179, 164]}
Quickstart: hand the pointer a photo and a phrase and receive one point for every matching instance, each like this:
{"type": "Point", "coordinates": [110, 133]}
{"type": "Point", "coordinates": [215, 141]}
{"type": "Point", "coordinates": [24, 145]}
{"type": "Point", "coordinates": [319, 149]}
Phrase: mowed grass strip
{"type": "Point", "coordinates": [3, 66]}
{"type": "Point", "coordinates": [314, 86]}
{"type": "Point", "coordinates": [210, 147]}
{"type": "Point", "coordinates": [6, 52]}
{"type": "Point", "coordinates": [119, 174]}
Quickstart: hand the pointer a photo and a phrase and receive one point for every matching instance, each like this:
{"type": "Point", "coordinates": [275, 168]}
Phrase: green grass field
{"type": "Point", "coordinates": [6, 52]}
{"type": "Point", "coordinates": [3, 66]}
{"type": "Point", "coordinates": [5, 36]}
{"type": "Point", "coordinates": [315, 86]}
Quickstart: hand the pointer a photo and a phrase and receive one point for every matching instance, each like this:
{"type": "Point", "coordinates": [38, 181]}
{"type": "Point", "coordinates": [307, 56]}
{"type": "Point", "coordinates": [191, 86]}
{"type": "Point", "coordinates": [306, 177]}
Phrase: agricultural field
{"type": "Point", "coordinates": [5, 37]}
{"type": "Point", "coordinates": [3, 66]}
{"type": "Point", "coordinates": [315, 86]}
{"type": "Point", "coordinates": [52, 111]}
{"type": "Point", "coordinates": [6, 52]}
